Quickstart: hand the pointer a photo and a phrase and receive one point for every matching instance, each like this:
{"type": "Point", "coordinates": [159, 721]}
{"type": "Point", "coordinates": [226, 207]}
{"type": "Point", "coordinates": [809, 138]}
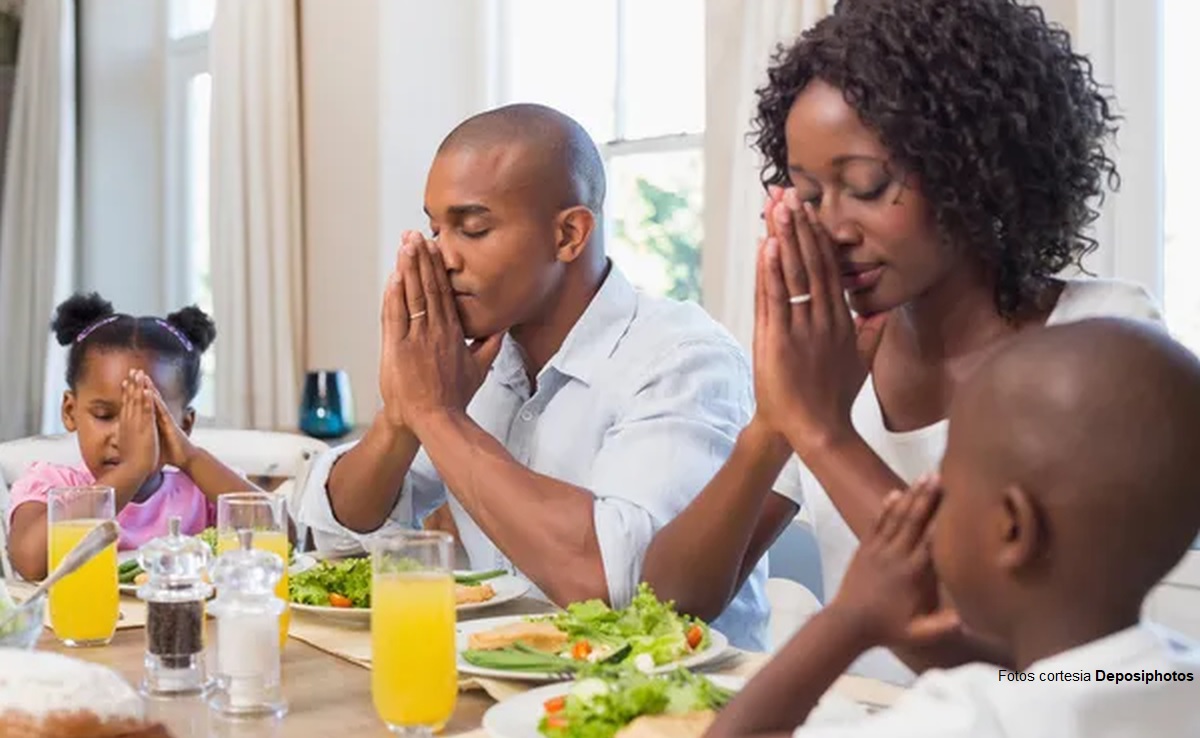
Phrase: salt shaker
{"type": "Point", "coordinates": [247, 648]}
{"type": "Point", "coordinates": [174, 594]}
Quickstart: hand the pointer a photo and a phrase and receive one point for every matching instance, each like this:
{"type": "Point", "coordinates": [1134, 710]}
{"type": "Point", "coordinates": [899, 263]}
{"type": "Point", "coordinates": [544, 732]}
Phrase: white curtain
{"type": "Point", "coordinates": [741, 38]}
{"type": "Point", "coordinates": [37, 218]}
{"type": "Point", "coordinates": [258, 240]}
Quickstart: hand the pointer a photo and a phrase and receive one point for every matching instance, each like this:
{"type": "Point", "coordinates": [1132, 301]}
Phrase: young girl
{"type": "Point", "coordinates": [130, 385]}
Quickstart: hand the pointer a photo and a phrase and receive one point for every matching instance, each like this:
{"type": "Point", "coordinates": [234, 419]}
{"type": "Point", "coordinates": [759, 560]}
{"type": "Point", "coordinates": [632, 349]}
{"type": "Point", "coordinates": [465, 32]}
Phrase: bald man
{"type": "Point", "coordinates": [1067, 493]}
{"type": "Point", "coordinates": [582, 416]}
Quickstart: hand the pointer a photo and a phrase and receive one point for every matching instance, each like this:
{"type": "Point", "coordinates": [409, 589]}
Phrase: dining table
{"type": "Point", "coordinates": [326, 695]}
{"type": "Point", "coordinates": [326, 681]}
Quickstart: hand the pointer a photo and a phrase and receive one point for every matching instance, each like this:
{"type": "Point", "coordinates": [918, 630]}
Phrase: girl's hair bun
{"type": "Point", "coordinates": [76, 313]}
{"type": "Point", "coordinates": [196, 325]}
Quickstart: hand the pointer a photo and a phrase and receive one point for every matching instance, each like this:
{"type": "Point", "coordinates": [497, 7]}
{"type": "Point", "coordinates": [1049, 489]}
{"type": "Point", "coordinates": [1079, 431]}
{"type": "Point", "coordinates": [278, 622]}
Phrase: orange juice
{"type": "Point", "coordinates": [277, 543]}
{"type": "Point", "coordinates": [414, 680]}
{"type": "Point", "coordinates": [83, 605]}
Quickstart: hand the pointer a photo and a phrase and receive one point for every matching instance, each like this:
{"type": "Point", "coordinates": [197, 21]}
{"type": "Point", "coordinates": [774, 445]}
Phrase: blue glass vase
{"type": "Point", "coordinates": [327, 407]}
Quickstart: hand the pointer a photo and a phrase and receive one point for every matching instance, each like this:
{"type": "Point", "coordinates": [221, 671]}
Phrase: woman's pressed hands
{"type": "Point", "coordinates": [811, 355]}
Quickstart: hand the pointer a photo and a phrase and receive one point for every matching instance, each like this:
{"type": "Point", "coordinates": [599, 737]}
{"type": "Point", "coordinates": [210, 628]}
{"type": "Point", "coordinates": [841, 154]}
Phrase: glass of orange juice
{"type": "Point", "coordinates": [414, 680]}
{"type": "Point", "coordinates": [265, 514]}
{"type": "Point", "coordinates": [83, 605]}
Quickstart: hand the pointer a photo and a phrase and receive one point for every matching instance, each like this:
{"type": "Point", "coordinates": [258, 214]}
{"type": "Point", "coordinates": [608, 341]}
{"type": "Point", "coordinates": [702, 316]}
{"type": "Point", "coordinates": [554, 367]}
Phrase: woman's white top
{"type": "Point", "coordinates": [913, 453]}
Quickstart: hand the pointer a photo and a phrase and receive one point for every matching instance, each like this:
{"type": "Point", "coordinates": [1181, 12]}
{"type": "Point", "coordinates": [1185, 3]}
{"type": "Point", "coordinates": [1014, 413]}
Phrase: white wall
{"type": "Point", "coordinates": [340, 72]}
{"type": "Point", "coordinates": [431, 81]}
{"type": "Point", "coordinates": [384, 82]}
{"type": "Point", "coordinates": [1061, 11]}
{"type": "Point", "coordinates": [122, 100]}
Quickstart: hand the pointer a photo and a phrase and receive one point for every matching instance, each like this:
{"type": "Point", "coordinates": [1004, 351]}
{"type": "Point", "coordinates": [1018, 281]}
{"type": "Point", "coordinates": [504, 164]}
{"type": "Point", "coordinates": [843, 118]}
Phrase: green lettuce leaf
{"type": "Point", "coordinates": [350, 578]}
{"type": "Point", "coordinates": [599, 706]}
{"type": "Point", "coordinates": [648, 625]}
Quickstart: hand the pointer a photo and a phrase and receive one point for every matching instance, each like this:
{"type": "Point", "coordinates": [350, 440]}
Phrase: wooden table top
{"type": "Point", "coordinates": [327, 696]}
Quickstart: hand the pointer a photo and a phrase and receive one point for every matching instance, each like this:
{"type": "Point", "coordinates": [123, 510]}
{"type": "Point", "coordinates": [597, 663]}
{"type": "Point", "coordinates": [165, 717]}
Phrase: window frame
{"type": "Point", "coordinates": [1125, 44]}
{"type": "Point", "coordinates": [500, 92]}
{"type": "Point", "coordinates": [184, 58]}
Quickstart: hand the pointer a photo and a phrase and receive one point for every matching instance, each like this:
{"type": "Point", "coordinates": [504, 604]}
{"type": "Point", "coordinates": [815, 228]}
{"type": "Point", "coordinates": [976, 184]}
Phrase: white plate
{"type": "Point", "coordinates": [302, 562]}
{"type": "Point", "coordinates": [508, 588]}
{"type": "Point", "coordinates": [518, 716]}
{"type": "Point", "coordinates": [716, 649]}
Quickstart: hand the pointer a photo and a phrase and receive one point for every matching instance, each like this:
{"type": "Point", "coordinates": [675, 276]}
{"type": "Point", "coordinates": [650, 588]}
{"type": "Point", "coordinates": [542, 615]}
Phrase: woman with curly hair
{"type": "Point", "coordinates": [932, 166]}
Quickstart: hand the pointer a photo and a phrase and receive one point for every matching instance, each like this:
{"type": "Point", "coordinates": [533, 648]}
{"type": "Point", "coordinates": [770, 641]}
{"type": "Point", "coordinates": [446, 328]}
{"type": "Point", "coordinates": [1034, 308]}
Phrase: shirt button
{"type": "Point", "coordinates": [526, 416]}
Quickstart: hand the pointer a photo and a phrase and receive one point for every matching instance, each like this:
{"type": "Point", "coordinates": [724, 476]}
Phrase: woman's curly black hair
{"type": "Point", "coordinates": [986, 103]}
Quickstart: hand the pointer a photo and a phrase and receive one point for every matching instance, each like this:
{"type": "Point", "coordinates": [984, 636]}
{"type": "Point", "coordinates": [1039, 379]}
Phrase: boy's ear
{"type": "Point", "coordinates": [68, 411]}
{"type": "Point", "coordinates": [189, 420]}
{"type": "Point", "coordinates": [1024, 535]}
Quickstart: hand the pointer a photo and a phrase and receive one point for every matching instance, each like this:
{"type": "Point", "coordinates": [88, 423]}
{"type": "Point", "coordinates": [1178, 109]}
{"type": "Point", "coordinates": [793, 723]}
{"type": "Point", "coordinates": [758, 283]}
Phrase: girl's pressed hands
{"type": "Point", "coordinates": [176, 448]}
{"type": "Point", "coordinates": [137, 436]}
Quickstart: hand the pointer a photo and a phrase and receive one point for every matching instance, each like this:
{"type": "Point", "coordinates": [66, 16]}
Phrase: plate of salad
{"type": "Point", "coordinates": [617, 705]}
{"type": "Point", "coordinates": [648, 636]}
{"type": "Point", "coordinates": [130, 574]}
{"type": "Point", "coordinates": [626, 703]}
{"type": "Point", "coordinates": [342, 589]}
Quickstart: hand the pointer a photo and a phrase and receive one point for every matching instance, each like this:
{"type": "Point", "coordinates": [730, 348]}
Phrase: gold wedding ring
{"type": "Point", "coordinates": [418, 315]}
{"type": "Point", "coordinates": [800, 299]}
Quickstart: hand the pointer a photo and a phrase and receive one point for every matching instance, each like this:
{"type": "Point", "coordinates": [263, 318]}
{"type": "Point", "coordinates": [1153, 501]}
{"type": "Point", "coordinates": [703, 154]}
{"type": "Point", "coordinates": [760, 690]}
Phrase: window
{"type": "Point", "coordinates": [632, 73]}
{"type": "Point", "coordinates": [189, 95]}
{"type": "Point", "coordinates": [1181, 56]}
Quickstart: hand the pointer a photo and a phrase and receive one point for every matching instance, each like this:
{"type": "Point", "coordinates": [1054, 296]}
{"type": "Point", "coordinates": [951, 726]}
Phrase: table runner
{"type": "Point", "coordinates": [133, 610]}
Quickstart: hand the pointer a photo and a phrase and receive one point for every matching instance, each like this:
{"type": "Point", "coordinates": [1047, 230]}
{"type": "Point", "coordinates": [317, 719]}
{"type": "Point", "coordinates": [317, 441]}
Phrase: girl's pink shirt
{"type": "Point", "coordinates": [139, 521]}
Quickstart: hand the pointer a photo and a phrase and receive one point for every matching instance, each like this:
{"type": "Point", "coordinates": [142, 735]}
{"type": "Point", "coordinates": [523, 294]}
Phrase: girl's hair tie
{"type": "Point", "coordinates": [91, 328]}
{"type": "Point", "coordinates": [187, 345]}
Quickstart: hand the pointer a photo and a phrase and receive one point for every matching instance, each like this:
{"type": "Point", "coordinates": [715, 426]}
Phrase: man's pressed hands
{"type": "Point", "coordinates": [426, 365]}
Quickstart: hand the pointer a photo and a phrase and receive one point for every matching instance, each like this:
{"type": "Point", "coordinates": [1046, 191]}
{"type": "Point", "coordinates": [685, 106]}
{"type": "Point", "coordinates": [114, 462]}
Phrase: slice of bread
{"type": "Point", "coordinates": [541, 636]}
{"type": "Point", "coordinates": [689, 725]}
{"type": "Point", "coordinates": [467, 595]}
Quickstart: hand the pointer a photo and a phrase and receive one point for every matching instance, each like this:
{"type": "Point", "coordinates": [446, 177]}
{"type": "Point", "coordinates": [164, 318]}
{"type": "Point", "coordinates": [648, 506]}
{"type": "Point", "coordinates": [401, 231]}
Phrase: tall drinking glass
{"type": "Point", "coordinates": [266, 515]}
{"type": "Point", "coordinates": [414, 680]}
{"type": "Point", "coordinates": [83, 605]}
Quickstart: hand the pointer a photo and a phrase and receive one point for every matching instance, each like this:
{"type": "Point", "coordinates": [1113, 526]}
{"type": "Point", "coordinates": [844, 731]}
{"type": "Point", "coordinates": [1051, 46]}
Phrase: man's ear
{"type": "Point", "coordinates": [189, 420]}
{"type": "Point", "coordinates": [1024, 534]}
{"type": "Point", "coordinates": [68, 411]}
{"type": "Point", "coordinates": [575, 228]}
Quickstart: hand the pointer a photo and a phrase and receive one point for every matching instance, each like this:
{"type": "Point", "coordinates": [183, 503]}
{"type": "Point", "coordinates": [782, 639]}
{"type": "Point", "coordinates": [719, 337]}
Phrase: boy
{"type": "Point", "coordinates": [1066, 494]}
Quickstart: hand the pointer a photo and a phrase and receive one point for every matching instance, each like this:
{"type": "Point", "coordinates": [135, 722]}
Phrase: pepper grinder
{"type": "Point", "coordinates": [247, 613]}
{"type": "Point", "coordinates": [174, 594]}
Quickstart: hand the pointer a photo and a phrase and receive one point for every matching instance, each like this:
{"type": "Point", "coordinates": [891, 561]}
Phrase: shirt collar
{"type": "Point", "coordinates": [595, 336]}
{"type": "Point", "coordinates": [592, 339]}
{"type": "Point", "coordinates": [509, 367]}
{"type": "Point", "coordinates": [1111, 650]}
